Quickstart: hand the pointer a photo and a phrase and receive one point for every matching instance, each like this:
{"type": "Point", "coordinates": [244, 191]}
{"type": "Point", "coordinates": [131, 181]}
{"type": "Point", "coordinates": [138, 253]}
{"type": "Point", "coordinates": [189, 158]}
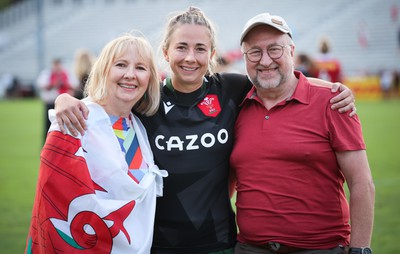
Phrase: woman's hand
{"type": "Point", "coordinates": [344, 101]}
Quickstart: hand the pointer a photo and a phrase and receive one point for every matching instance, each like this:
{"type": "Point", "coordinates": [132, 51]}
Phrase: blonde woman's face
{"type": "Point", "coordinates": [128, 79]}
{"type": "Point", "coordinates": [189, 55]}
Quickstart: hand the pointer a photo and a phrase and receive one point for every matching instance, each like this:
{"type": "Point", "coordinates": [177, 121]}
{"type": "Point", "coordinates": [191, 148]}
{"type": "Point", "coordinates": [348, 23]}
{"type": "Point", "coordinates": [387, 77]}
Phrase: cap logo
{"type": "Point", "coordinates": [278, 22]}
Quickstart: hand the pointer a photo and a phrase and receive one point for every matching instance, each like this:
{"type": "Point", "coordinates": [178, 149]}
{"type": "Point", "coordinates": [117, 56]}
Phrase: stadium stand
{"type": "Point", "coordinates": [69, 25]}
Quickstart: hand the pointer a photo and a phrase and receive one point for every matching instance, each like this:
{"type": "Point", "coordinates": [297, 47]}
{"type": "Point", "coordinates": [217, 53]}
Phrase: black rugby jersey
{"type": "Point", "coordinates": [191, 137]}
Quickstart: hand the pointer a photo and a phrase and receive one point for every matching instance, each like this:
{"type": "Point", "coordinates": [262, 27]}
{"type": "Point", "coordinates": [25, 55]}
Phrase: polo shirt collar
{"type": "Point", "coordinates": [301, 93]}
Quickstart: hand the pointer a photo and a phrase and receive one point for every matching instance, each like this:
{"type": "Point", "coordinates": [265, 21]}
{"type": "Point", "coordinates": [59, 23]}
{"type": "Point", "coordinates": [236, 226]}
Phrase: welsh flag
{"type": "Point", "coordinates": [74, 214]}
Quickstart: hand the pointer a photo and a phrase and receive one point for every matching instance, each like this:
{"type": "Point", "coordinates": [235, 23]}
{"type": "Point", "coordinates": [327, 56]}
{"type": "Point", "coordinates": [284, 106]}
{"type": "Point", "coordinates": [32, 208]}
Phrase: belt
{"type": "Point", "coordinates": [278, 248]}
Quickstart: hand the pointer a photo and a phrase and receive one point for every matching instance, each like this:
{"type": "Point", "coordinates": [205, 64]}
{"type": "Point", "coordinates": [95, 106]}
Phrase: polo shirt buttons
{"type": "Point", "coordinates": [266, 117]}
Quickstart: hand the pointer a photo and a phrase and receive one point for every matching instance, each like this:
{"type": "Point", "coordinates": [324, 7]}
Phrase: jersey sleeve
{"type": "Point", "coordinates": [237, 85]}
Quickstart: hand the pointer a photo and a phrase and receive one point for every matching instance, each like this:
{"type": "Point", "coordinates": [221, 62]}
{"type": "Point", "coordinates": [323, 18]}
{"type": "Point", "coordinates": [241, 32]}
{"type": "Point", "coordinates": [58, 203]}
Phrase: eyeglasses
{"type": "Point", "coordinates": [274, 52]}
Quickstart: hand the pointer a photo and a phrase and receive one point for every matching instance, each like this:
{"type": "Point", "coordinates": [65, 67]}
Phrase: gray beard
{"type": "Point", "coordinates": [267, 84]}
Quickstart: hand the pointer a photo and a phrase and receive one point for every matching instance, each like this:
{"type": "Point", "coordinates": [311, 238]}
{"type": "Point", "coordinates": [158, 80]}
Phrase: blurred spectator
{"type": "Point", "coordinates": [234, 55]}
{"type": "Point", "coordinates": [396, 83]}
{"type": "Point", "coordinates": [386, 79]}
{"type": "Point", "coordinates": [363, 35]}
{"type": "Point", "coordinates": [398, 37]}
{"type": "Point", "coordinates": [11, 86]}
{"type": "Point", "coordinates": [306, 65]}
{"type": "Point", "coordinates": [394, 12]}
{"type": "Point", "coordinates": [7, 83]}
{"type": "Point", "coordinates": [51, 83]}
{"type": "Point", "coordinates": [83, 64]}
{"type": "Point", "coordinates": [224, 64]}
{"type": "Point", "coordinates": [328, 67]}
{"type": "Point", "coordinates": [14, 90]}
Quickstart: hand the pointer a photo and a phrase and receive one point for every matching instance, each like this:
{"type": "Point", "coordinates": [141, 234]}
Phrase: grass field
{"type": "Point", "coordinates": [21, 141]}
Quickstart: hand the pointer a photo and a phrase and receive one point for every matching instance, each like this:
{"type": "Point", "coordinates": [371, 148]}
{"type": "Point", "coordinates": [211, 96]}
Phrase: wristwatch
{"type": "Point", "coordinates": [364, 250]}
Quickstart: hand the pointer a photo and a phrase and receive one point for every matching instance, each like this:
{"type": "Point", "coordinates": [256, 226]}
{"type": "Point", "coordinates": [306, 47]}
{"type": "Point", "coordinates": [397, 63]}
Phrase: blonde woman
{"type": "Point", "coordinates": [97, 193]}
{"type": "Point", "coordinates": [84, 60]}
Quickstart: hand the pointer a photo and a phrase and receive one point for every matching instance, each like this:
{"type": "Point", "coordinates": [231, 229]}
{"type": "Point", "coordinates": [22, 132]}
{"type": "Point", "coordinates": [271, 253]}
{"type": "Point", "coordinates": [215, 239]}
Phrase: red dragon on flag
{"type": "Point", "coordinates": [65, 217]}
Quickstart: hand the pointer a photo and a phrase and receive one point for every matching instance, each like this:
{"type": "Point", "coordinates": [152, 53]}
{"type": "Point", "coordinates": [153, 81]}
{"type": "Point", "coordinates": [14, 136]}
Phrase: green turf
{"type": "Point", "coordinates": [21, 142]}
{"type": "Point", "coordinates": [381, 127]}
{"type": "Point", "coordinates": [20, 136]}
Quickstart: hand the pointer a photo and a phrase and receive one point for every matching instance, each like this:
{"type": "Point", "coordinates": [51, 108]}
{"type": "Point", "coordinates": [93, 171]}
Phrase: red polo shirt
{"type": "Point", "coordinates": [290, 186]}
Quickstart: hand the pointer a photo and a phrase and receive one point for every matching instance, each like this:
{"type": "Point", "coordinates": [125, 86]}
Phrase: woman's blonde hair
{"type": "Point", "coordinates": [192, 16]}
{"type": "Point", "coordinates": [96, 86]}
{"type": "Point", "coordinates": [84, 60]}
